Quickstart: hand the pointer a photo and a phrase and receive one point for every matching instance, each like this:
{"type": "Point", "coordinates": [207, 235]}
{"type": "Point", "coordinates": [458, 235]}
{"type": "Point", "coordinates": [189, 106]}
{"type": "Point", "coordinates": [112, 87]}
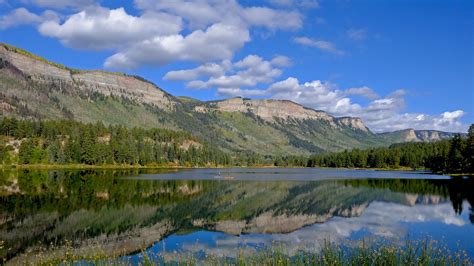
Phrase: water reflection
{"type": "Point", "coordinates": [102, 209]}
{"type": "Point", "coordinates": [380, 221]}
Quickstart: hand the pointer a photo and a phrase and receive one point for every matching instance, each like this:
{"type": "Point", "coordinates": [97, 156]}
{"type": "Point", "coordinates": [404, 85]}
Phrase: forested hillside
{"type": "Point", "coordinates": [71, 142]}
{"type": "Point", "coordinates": [447, 156]}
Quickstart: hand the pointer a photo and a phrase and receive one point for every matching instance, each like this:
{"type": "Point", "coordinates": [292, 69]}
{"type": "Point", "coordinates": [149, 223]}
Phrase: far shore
{"type": "Point", "coordinates": [175, 166]}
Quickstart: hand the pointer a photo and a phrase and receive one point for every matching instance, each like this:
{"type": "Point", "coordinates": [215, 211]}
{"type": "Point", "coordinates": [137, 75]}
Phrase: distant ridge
{"type": "Point", "coordinates": [35, 88]}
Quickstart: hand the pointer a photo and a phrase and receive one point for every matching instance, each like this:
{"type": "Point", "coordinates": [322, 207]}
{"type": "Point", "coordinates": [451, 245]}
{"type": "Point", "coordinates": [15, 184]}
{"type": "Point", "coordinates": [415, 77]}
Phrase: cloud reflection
{"type": "Point", "coordinates": [389, 221]}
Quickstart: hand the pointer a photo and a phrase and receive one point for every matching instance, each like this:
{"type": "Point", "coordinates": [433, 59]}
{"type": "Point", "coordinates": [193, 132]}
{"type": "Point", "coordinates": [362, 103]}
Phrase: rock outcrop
{"type": "Point", "coordinates": [107, 83]}
{"type": "Point", "coordinates": [270, 110]}
{"type": "Point", "coordinates": [352, 122]}
{"type": "Point", "coordinates": [411, 135]}
{"type": "Point", "coordinates": [432, 135]}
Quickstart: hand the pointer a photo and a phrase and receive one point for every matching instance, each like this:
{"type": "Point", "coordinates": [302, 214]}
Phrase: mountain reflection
{"type": "Point", "coordinates": [104, 208]}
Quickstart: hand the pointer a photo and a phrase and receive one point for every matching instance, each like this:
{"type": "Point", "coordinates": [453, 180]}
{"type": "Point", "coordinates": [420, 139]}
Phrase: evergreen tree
{"type": "Point", "coordinates": [25, 153]}
{"type": "Point", "coordinates": [455, 155]}
{"type": "Point", "coordinates": [469, 150]}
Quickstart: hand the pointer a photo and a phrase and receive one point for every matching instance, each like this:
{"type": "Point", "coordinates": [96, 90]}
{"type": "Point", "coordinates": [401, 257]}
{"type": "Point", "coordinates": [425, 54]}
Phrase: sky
{"type": "Point", "coordinates": [396, 64]}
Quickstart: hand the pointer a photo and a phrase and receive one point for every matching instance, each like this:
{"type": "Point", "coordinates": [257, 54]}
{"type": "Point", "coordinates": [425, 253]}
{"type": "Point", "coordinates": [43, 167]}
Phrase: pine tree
{"type": "Point", "coordinates": [469, 150]}
{"type": "Point", "coordinates": [25, 153]}
{"type": "Point", "coordinates": [455, 156]}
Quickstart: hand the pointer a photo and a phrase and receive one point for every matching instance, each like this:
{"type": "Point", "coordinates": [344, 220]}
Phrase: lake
{"type": "Point", "coordinates": [126, 214]}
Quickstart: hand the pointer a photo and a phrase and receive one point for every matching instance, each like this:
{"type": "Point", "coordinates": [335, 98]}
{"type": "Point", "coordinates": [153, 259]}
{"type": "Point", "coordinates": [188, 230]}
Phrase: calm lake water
{"type": "Point", "coordinates": [127, 213]}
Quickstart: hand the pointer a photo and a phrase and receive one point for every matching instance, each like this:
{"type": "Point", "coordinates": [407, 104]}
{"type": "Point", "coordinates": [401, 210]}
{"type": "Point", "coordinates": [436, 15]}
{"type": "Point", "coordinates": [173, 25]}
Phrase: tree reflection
{"type": "Point", "coordinates": [460, 189]}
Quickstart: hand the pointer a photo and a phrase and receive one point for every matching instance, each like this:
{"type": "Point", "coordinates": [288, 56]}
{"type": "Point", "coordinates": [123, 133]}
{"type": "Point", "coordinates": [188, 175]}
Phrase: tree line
{"type": "Point", "coordinates": [446, 156]}
{"type": "Point", "coordinates": [72, 142]}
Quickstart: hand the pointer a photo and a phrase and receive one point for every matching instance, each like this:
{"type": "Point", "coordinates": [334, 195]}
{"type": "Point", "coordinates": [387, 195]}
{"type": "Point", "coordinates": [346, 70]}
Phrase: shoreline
{"type": "Point", "coordinates": [174, 166]}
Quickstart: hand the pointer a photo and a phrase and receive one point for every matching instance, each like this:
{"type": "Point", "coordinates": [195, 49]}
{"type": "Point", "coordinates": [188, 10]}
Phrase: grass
{"type": "Point", "coordinates": [412, 253]}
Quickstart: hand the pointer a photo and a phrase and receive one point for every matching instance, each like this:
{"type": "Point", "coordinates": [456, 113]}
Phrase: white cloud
{"type": "Point", "coordinates": [217, 42]}
{"type": "Point", "coordinates": [202, 13]}
{"type": "Point", "coordinates": [163, 32]}
{"type": "Point", "coordinates": [21, 16]}
{"type": "Point", "coordinates": [247, 72]}
{"type": "Point", "coordinates": [166, 31]}
{"type": "Point", "coordinates": [447, 121]}
{"type": "Point", "coordinates": [207, 69]}
{"type": "Point", "coordinates": [230, 81]}
{"type": "Point", "coordinates": [102, 28]}
{"type": "Point", "coordinates": [399, 121]}
{"type": "Point", "coordinates": [450, 116]}
{"type": "Point", "coordinates": [316, 94]}
{"type": "Point", "coordinates": [281, 61]}
{"type": "Point", "coordinates": [266, 17]}
{"type": "Point", "coordinates": [324, 46]}
{"type": "Point", "coordinates": [362, 91]}
{"type": "Point", "coordinates": [257, 69]}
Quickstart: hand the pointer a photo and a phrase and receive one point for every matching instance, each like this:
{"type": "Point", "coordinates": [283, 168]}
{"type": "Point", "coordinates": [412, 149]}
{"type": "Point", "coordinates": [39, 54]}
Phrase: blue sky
{"type": "Point", "coordinates": [396, 64]}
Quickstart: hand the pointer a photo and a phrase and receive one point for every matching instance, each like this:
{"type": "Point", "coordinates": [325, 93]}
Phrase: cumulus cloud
{"type": "Point", "coordinates": [207, 69]}
{"type": "Point", "coordinates": [229, 77]}
{"type": "Point", "coordinates": [101, 28]}
{"type": "Point", "coordinates": [166, 31]}
{"type": "Point", "coordinates": [281, 61]}
{"type": "Point", "coordinates": [217, 42]}
{"type": "Point", "coordinates": [200, 14]}
{"type": "Point", "coordinates": [446, 121]}
{"type": "Point", "coordinates": [21, 16]}
{"type": "Point", "coordinates": [324, 46]}
{"type": "Point", "coordinates": [362, 91]}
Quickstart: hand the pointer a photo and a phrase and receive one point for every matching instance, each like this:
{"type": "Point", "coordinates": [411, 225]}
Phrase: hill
{"type": "Point", "coordinates": [35, 88]}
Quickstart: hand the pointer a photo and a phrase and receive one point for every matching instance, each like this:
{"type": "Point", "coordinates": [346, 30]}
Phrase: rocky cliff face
{"type": "Point", "coordinates": [270, 110]}
{"type": "Point", "coordinates": [411, 135]}
{"type": "Point", "coordinates": [352, 122]}
{"type": "Point", "coordinates": [116, 84]}
{"type": "Point", "coordinates": [432, 135]}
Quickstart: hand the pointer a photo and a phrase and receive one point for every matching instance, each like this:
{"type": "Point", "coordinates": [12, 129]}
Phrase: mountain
{"type": "Point", "coordinates": [411, 135]}
{"type": "Point", "coordinates": [35, 88]}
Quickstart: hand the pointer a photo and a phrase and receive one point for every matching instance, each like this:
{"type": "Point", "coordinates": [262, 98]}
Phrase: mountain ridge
{"type": "Point", "coordinates": [36, 88]}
